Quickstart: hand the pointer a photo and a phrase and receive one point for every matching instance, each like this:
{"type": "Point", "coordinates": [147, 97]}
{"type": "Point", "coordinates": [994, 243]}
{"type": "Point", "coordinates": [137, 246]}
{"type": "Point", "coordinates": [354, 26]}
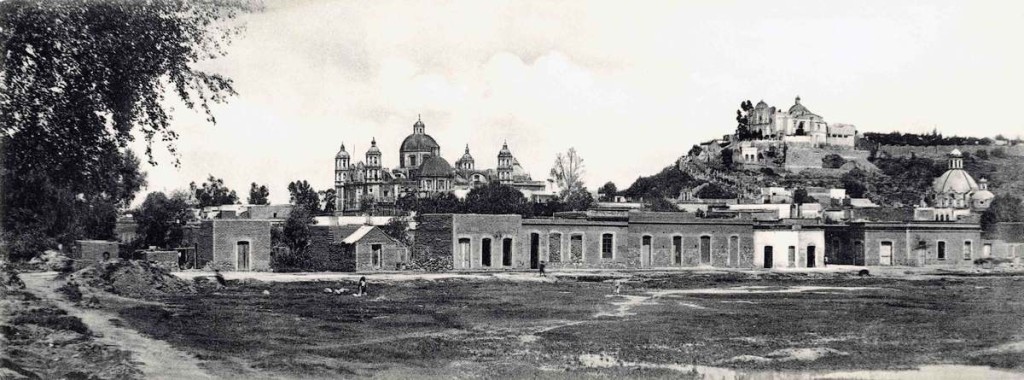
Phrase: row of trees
{"type": "Point", "coordinates": [79, 79]}
{"type": "Point", "coordinates": [930, 139]}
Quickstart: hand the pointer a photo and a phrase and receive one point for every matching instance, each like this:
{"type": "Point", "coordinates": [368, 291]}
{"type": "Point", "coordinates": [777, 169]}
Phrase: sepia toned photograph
{"type": "Point", "coordinates": [511, 189]}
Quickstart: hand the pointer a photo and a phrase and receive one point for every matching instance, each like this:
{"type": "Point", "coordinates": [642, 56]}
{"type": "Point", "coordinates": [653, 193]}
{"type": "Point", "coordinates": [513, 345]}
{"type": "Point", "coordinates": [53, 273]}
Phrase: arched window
{"type": "Point", "coordinates": [607, 246]}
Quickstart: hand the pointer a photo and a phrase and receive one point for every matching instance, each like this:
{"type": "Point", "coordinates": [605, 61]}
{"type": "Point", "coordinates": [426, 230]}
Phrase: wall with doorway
{"type": "Point", "coordinates": [683, 240]}
{"type": "Point", "coordinates": [220, 240]}
{"type": "Point", "coordinates": [576, 243]}
{"type": "Point", "coordinates": [802, 247]}
{"type": "Point", "coordinates": [921, 244]}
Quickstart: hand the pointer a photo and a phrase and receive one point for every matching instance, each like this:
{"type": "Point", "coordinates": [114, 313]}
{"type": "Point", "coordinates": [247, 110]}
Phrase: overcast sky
{"type": "Point", "coordinates": [630, 85]}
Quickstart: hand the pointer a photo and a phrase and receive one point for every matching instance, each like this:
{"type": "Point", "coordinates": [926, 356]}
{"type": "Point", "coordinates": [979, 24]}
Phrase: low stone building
{"type": "Point", "coordinates": [468, 241]}
{"type": "Point", "coordinates": [86, 252]}
{"type": "Point", "coordinates": [684, 240]}
{"type": "Point", "coordinates": [915, 243]}
{"type": "Point", "coordinates": [234, 244]}
{"type": "Point", "coordinates": [575, 243]}
{"type": "Point", "coordinates": [370, 249]}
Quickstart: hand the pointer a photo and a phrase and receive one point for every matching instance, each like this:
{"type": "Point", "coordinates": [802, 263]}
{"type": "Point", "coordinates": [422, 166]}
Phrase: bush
{"type": "Point", "coordinates": [981, 154]}
{"type": "Point", "coordinates": [71, 291]}
{"type": "Point", "coordinates": [999, 153]}
{"type": "Point", "coordinates": [51, 318]}
{"type": "Point", "coordinates": [832, 161]}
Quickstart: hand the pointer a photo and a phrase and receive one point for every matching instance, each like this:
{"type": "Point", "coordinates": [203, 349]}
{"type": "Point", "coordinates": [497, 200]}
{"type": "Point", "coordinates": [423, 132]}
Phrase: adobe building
{"type": "Point", "coordinates": [234, 244]}
{"type": "Point", "coordinates": [668, 239]}
{"type": "Point", "coordinates": [915, 243]}
{"type": "Point", "coordinates": [577, 243]}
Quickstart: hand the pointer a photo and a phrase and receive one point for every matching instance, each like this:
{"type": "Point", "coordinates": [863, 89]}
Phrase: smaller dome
{"type": "Point", "coordinates": [466, 157]}
{"type": "Point", "coordinates": [982, 195]}
{"type": "Point", "coordinates": [341, 152]}
{"type": "Point", "coordinates": [435, 166]}
{"type": "Point", "coordinates": [956, 153]}
{"type": "Point", "coordinates": [761, 105]}
{"type": "Point", "coordinates": [373, 147]}
{"type": "Point", "coordinates": [504, 150]}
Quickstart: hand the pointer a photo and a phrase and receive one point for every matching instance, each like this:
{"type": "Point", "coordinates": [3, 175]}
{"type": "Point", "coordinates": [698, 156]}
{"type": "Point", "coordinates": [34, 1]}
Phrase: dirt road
{"type": "Point", "coordinates": [158, 359]}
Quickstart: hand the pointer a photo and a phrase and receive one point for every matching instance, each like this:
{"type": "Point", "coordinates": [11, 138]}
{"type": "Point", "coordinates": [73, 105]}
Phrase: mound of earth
{"type": "Point", "coordinates": [9, 280]}
{"type": "Point", "coordinates": [135, 279]}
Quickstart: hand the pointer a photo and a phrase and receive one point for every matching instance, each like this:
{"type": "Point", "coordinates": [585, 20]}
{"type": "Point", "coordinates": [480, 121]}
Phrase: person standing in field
{"type": "Point", "coordinates": [219, 277]}
{"type": "Point", "coordinates": [362, 286]}
{"type": "Point", "coordinates": [618, 287]}
{"type": "Point", "coordinates": [541, 268]}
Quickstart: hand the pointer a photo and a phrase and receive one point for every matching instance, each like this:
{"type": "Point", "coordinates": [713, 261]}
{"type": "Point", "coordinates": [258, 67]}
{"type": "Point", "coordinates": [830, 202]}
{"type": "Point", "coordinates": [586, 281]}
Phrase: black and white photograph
{"type": "Point", "coordinates": [511, 189]}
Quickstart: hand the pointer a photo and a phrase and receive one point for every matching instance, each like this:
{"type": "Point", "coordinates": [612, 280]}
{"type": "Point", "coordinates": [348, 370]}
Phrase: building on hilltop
{"type": "Point", "coordinates": [798, 125]}
{"type": "Point", "coordinates": [422, 171]}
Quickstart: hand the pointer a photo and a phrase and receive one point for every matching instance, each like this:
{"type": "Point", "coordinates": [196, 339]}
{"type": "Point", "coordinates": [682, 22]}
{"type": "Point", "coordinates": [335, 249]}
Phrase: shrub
{"type": "Point", "coordinates": [999, 153]}
{"type": "Point", "coordinates": [71, 291]}
{"type": "Point", "coordinates": [832, 161]}
{"type": "Point", "coordinates": [51, 318]}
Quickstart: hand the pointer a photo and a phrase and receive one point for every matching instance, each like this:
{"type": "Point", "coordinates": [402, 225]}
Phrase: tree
{"type": "Point", "coordinates": [329, 199]}
{"type": "Point", "coordinates": [800, 197]}
{"type": "Point", "coordinates": [259, 194]}
{"type": "Point", "coordinates": [655, 201]}
{"type": "Point", "coordinates": [77, 78]}
{"type": "Point", "coordinates": [162, 219]}
{"type": "Point", "coordinates": [727, 158]}
{"type": "Point", "coordinates": [855, 182]}
{"type": "Point", "coordinates": [496, 198]}
{"type": "Point", "coordinates": [579, 201]}
{"type": "Point", "coordinates": [695, 151]}
{"type": "Point", "coordinates": [302, 194]}
{"type": "Point", "coordinates": [743, 131]}
{"type": "Point", "coordinates": [832, 161]}
{"type": "Point", "coordinates": [608, 191]}
{"type": "Point", "coordinates": [1004, 208]}
{"type": "Point", "coordinates": [213, 192]}
{"type": "Point", "coordinates": [982, 154]}
{"type": "Point", "coordinates": [295, 235]}
{"type": "Point", "coordinates": [568, 172]}
{"type": "Point", "coordinates": [714, 191]}
{"type": "Point", "coordinates": [397, 228]}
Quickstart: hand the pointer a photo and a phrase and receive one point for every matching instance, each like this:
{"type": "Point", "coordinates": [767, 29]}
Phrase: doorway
{"type": "Point", "coordinates": [464, 246]}
{"type": "Point", "coordinates": [885, 253]}
{"type": "Point", "coordinates": [645, 250]}
{"type": "Point", "coordinates": [534, 251]}
{"type": "Point", "coordinates": [485, 252]}
{"type": "Point", "coordinates": [705, 250]}
{"type": "Point", "coordinates": [768, 256]}
{"type": "Point", "coordinates": [811, 256]}
{"type": "Point", "coordinates": [242, 256]}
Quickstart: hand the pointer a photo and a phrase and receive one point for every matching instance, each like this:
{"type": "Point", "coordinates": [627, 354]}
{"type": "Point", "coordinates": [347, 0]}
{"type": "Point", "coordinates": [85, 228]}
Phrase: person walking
{"type": "Point", "coordinates": [541, 268]}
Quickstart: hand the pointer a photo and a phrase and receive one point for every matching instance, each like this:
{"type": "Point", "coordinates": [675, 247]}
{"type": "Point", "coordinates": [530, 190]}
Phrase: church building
{"type": "Point", "coordinates": [422, 171]}
{"type": "Point", "coordinates": [798, 125]}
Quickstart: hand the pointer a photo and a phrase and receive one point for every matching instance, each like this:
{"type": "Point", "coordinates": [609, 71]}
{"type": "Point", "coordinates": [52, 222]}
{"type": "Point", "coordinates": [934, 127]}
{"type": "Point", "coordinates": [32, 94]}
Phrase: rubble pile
{"type": "Point", "coordinates": [135, 279]}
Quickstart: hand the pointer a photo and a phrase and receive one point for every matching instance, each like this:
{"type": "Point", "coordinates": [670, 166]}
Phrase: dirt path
{"type": "Point", "coordinates": [158, 359]}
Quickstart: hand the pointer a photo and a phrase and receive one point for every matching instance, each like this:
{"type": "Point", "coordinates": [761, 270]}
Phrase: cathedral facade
{"type": "Point", "coordinates": [421, 171]}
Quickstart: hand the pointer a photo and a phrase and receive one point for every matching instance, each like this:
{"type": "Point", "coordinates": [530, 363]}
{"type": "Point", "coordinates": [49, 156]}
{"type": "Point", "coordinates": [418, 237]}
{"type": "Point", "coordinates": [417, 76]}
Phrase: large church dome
{"type": "Point", "coordinates": [435, 166]}
{"type": "Point", "coordinates": [954, 181]}
{"type": "Point", "coordinates": [419, 141]}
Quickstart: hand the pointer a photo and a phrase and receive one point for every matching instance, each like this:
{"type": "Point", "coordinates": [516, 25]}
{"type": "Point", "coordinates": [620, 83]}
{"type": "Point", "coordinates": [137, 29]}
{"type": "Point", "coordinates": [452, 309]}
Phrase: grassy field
{"type": "Point", "coordinates": [655, 328]}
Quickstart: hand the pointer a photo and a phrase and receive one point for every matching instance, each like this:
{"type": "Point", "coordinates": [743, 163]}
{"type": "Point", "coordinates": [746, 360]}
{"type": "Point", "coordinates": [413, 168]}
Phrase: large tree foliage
{"type": "Point", "coordinates": [301, 193]}
{"type": "Point", "coordinates": [329, 198]}
{"type": "Point", "coordinates": [670, 181]}
{"type": "Point", "coordinates": [259, 194]}
{"type": "Point", "coordinates": [213, 192]}
{"type": "Point", "coordinates": [495, 198]}
{"type": "Point", "coordinates": [161, 219]}
{"type": "Point", "coordinates": [608, 191]}
{"type": "Point", "coordinates": [295, 235]}
{"type": "Point", "coordinates": [743, 131]}
{"type": "Point", "coordinates": [77, 78]}
{"type": "Point", "coordinates": [1004, 208]}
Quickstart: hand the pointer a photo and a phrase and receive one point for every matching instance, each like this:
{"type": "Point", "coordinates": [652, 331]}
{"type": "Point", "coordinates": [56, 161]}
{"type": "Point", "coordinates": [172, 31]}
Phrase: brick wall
{"type": "Point", "coordinates": [723, 253]}
{"type": "Point", "coordinates": [204, 244]}
{"type": "Point", "coordinates": [918, 245]}
{"type": "Point", "coordinates": [591, 255]}
{"type": "Point", "coordinates": [324, 254]}
{"type": "Point", "coordinates": [476, 228]}
{"type": "Point", "coordinates": [227, 233]}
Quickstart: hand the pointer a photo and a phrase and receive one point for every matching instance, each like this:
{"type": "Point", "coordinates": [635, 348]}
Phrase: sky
{"type": "Point", "coordinates": [630, 85]}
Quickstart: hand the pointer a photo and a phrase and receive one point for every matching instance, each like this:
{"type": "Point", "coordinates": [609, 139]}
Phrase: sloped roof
{"type": "Point", "coordinates": [357, 234]}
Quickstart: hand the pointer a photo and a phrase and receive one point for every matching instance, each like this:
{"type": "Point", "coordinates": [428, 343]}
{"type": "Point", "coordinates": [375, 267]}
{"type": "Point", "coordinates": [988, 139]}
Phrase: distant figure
{"type": "Point", "coordinates": [362, 286]}
{"type": "Point", "coordinates": [863, 273]}
{"type": "Point", "coordinates": [618, 287]}
{"type": "Point", "coordinates": [826, 261]}
{"type": "Point", "coordinates": [106, 256]}
{"type": "Point", "coordinates": [541, 268]}
{"type": "Point", "coordinates": [219, 277]}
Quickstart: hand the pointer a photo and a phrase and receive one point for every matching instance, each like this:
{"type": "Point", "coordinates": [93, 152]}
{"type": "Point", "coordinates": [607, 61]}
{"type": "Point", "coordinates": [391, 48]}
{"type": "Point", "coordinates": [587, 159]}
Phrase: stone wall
{"type": "Point", "coordinates": [325, 254]}
{"type": "Point", "coordinates": [731, 244]}
{"type": "Point", "coordinates": [433, 246]}
{"type": "Point", "coordinates": [495, 228]}
{"type": "Point", "coordinates": [940, 151]}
